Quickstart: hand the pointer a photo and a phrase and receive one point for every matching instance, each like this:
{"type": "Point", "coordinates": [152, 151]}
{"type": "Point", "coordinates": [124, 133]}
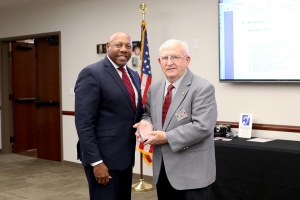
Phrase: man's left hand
{"type": "Point", "coordinates": [156, 138]}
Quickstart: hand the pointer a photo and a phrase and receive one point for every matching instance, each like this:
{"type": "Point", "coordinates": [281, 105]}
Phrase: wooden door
{"type": "Point", "coordinates": [48, 108]}
{"type": "Point", "coordinates": [24, 92]}
{"type": "Point", "coordinates": [37, 112]}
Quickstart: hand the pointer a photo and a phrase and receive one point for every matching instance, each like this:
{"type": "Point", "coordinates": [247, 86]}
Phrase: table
{"type": "Point", "coordinates": [251, 170]}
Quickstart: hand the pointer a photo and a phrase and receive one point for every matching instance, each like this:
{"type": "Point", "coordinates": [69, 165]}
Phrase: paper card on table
{"type": "Point", "coordinates": [260, 140]}
{"type": "Point", "coordinates": [245, 125]}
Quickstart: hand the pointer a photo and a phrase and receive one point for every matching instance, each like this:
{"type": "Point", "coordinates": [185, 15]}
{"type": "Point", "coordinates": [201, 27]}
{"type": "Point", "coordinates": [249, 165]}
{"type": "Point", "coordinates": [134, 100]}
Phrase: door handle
{"type": "Point", "coordinates": [37, 102]}
{"type": "Point", "coordinates": [25, 99]}
{"type": "Point", "coordinates": [46, 103]}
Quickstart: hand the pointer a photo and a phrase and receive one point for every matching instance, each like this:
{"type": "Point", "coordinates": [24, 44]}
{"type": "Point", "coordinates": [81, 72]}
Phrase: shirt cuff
{"type": "Point", "coordinates": [96, 163]}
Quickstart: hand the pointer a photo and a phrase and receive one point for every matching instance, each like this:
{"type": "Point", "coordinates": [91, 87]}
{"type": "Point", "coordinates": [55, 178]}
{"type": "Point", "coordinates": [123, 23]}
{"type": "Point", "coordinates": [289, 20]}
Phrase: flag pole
{"type": "Point", "coordinates": [142, 186]}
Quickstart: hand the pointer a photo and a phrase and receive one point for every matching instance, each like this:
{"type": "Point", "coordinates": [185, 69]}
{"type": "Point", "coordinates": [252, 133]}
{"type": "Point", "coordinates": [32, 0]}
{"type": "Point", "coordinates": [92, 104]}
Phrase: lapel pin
{"type": "Point", "coordinates": [182, 93]}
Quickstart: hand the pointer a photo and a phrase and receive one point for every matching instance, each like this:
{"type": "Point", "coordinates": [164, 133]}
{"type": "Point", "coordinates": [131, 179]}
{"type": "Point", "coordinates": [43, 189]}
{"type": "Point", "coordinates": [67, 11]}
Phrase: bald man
{"type": "Point", "coordinates": [107, 104]}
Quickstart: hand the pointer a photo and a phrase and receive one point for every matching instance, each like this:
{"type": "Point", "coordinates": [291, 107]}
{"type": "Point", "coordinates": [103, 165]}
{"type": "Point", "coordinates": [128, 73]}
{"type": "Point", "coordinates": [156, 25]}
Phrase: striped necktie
{"type": "Point", "coordinates": [167, 102]}
{"type": "Point", "coordinates": [128, 85]}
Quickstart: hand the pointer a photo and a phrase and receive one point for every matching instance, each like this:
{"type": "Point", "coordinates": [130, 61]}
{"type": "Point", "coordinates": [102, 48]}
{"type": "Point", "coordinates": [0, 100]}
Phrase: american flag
{"type": "Point", "coordinates": [146, 78]}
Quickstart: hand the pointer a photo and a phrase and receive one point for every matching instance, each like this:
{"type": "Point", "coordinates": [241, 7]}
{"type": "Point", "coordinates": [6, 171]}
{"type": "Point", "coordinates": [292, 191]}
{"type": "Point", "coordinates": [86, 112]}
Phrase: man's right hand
{"type": "Point", "coordinates": [101, 174]}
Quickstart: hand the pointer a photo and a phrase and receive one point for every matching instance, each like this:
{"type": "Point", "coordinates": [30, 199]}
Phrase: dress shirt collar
{"type": "Point", "coordinates": [176, 83]}
{"type": "Point", "coordinates": [115, 65]}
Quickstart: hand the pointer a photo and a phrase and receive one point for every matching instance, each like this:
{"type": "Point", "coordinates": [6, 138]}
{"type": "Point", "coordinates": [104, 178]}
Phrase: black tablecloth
{"type": "Point", "coordinates": [251, 170]}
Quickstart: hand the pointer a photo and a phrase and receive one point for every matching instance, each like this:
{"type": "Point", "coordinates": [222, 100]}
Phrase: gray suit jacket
{"type": "Point", "coordinates": [189, 155]}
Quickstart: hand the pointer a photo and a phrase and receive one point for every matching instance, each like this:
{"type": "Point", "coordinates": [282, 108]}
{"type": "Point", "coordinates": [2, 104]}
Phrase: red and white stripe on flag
{"type": "Point", "coordinates": [146, 78]}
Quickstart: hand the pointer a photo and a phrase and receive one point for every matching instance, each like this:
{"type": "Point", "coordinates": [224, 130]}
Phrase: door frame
{"type": "Point", "coordinates": [6, 88]}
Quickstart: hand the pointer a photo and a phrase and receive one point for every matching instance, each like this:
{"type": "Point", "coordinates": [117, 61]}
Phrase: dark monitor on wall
{"type": "Point", "coordinates": [259, 41]}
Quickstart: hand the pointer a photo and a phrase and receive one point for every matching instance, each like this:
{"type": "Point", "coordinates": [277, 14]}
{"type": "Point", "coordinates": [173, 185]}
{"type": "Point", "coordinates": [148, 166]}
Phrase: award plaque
{"type": "Point", "coordinates": [143, 129]}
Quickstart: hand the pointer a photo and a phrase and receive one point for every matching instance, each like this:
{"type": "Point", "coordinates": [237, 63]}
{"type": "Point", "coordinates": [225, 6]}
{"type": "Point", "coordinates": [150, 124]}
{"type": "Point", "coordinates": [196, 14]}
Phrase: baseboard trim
{"type": "Point", "coordinates": [72, 164]}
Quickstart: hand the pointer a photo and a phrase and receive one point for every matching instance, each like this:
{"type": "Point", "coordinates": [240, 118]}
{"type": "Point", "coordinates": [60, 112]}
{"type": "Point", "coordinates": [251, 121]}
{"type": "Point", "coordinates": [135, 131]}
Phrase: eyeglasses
{"type": "Point", "coordinates": [173, 58]}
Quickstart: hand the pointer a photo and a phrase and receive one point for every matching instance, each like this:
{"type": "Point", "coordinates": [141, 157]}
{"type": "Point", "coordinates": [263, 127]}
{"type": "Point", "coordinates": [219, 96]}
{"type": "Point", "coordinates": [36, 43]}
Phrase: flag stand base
{"type": "Point", "coordinates": [142, 186]}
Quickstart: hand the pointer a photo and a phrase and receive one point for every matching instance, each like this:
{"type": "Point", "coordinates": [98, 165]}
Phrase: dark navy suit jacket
{"type": "Point", "coordinates": [104, 116]}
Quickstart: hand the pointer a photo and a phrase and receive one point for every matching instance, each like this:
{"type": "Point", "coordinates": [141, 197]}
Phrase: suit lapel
{"type": "Point", "coordinates": [159, 99]}
{"type": "Point", "coordinates": [181, 92]}
{"type": "Point", "coordinates": [136, 81]}
{"type": "Point", "coordinates": [113, 72]}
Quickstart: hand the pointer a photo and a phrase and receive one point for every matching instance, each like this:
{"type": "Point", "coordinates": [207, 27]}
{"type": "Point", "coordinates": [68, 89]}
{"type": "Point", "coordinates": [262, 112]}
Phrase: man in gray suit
{"type": "Point", "coordinates": [184, 154]}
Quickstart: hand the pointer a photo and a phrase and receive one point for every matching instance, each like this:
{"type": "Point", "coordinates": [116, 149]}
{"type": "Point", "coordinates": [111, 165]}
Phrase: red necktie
{"type": "Point", "coordinates": [128, 85]}
{"type": "Point", "coordinates": [167, 102]}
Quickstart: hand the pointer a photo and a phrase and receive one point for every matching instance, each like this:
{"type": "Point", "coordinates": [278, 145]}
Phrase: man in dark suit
{"type": "Point", "coordinates": [107, 104]}
{"type": "Point", "coordinates": [183, 154]}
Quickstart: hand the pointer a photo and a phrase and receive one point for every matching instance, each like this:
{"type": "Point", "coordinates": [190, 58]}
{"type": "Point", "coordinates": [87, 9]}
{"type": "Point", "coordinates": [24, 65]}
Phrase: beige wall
{"type": "Point", "coordinates": [85, 23]}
